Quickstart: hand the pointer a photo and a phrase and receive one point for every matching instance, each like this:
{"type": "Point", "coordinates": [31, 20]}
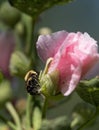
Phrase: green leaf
{"type": "Point", "coordinates": [85, 110]}
{"type": "Point", "coordinates": [82, 112]}
{"type": "Point", "coordinates": [89, 91]}
{"type": "Point", "coordinates": [37, 118]}
{"type": "Point", "coordinates": [14, 15]}
{"type": "Point", "coordinates": [5, 92]}
{"type": "Point", "coordinates": [60, 123]}
{"type": "Point", "coordinates": [35, 7]}
{"type": "Point", "coordinates": [19, 64]}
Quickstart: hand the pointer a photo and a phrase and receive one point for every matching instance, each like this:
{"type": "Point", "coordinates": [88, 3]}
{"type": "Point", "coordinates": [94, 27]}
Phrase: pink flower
{"type": "Point", "coordinates": [7, 45]}
{"type": "Point", "coordinates": [74, 54]}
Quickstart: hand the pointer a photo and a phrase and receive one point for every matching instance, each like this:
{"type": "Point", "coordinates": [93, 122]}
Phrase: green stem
{"type": "Point", "coordinates": [44, 108]}
{"type": "Point", "coordinates": [90, 120]}
{"type": "Point", "coordinates": [29, 111]}
{"type": "Point", "coordinates": [30, 46]}
{"type": "Point", "coordinates": [14, 114]}
{"type": "Point", "coordinates": [10, 124]}
{"type": "Point", "coordinates": [30, 25]}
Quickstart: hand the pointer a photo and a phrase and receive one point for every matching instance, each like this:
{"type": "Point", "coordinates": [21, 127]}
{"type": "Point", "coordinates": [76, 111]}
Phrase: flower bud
{"type": "Point", "coordinates": [47, 86]}
{"type": "Point", "coordinates": [19, 64]}
{"type": "Point", "coordinates": [20, 29]}
{"type": "Point", "coordinates": [5, 92]}
{"type": "Point", "coordinates": [9, 15]}
{"type": "Point", "coordinates": [44, 31]}
{"type": "Point", "coordinates": [7, 46]}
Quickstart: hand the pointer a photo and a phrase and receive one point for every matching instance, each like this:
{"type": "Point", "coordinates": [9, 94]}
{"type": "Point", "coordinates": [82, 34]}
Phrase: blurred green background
{"type": "Point", "coordinates": [80, 15]}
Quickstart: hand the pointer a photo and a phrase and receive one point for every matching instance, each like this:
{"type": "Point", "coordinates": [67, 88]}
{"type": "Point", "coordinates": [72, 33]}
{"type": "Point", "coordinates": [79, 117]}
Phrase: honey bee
{"type": "Point", "coordinates": [32, 83]}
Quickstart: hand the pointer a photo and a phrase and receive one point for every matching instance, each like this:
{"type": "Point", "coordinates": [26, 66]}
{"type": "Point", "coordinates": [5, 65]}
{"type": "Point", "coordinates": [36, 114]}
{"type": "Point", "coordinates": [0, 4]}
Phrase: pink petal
{"type": "Point", "coordinates": [87, 50]}
{"type": "Point", "coordinates": [7, 46]}
{"type": "Point", "coordinates": [73, 76]}
{"type": "Point", "coordinates": [69, 68]}
{"type": "Point", "coordinates": [94, 71]}
{"type": "Point", "coordinates": [75, 57]}
{"type": "Point", "coordinates": [47, 45]}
